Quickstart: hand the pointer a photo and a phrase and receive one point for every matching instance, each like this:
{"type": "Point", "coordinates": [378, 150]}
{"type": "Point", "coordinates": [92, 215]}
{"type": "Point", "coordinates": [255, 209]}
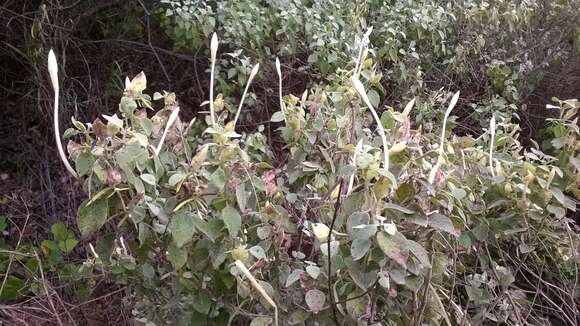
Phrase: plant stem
{"type": "Point", "coordinates": [337, 205]}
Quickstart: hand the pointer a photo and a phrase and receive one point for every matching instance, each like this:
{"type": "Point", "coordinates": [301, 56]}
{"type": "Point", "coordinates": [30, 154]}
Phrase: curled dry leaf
{"type": "Point", "coordinates": [100, 129]}
{"type": "Point", "coordinates": [73, 149]}
{"type": "Point", "coordinates": [270, 181]}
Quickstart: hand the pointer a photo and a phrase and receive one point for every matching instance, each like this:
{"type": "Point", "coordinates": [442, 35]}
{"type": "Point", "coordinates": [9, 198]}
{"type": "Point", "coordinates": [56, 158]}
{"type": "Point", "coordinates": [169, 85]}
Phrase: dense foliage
{"type": "Point", "coordinates": [507, 44]}
{"type": "Point", "coordinates": [435, 231]}
{"type": "Point", "coordinates": [374, 195]}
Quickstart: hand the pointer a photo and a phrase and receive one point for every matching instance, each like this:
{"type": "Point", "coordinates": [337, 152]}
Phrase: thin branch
{"type": "Point", "coordinates": [48, 296]}
{"type": "Point", "coordinates": [417, 318]}
{"type": "Point", "coordinates": [148, 14]}
{"type": "Point", "coordinates": [337, 205]}
{"type": "Point", "coordinates": [519, 318]}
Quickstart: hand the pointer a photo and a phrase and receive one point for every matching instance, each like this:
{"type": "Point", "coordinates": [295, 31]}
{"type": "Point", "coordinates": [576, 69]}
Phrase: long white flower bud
{"type": "Point", "coordinates": [53, 72]}
{"type": "Point", "coordinates": [361, 91]}
{"type": "Point", "coordinates": [362, 52]}
{"type": "Point", "coordinates": [491, 144]}
{"type": "Point", "coordinates": [213, 52]}
{"type": "Point", "coordinates": [279, 71]}
{"type": "Point", "coordinates": [252, 75]}
{"type": "Point", "coordinates": [170, 121]}
{"type": "Point", "coordinates": [435, 169]}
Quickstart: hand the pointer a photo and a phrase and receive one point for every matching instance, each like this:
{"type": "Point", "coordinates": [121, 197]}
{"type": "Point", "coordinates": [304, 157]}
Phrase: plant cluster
{"type": "Point", "coordinates": [505, 44]}
{"type": "Point", "coordinates": [368, 220]}
{"type": "Point", "coordinates": [372, 196]}
{"type": "Point", "coordinates": [24, 265]}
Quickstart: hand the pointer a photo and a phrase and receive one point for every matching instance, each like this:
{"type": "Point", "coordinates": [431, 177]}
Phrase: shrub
{"type": "Point", "coordinates": [207, 225]}
{"type": "Point", "coordinates": [487, 49]}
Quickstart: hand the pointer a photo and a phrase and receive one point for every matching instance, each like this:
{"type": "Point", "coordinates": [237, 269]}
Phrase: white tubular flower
{"type": "Point", "coordinates": [491, 144]}
{"type": "Point", "coordinates": [252, 75]}
{"type": "Point", "coordinates": [213, 50]}
{"type": "Point", "coordinates": [442, 143]}
{"type": "Point", "coordinates": [170, 122]}
{"type": "Point", "coordinates": [361, 91]}
{"type": "Point", "coordinates": [279, 71]}
{"type": "Point", "coordinates": [53, 71]}
{"type": "Point", "coordinates": [362, 52]}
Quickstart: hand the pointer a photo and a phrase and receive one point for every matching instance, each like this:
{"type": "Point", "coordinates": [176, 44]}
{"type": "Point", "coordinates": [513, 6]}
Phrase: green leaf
{"type": "Point", "coordinates": [559, 142]}
{"type": "Point", "coordinates": [218, 179]}
{"type": "Point", "coordinates": [93, 216]}
{"type": "Point", "coordinates": [398, 208]}
{"type": "Point", "coordinates": [358, 228]}
{"type": "Point", "coordinates": [12, 288]}
{"type": "Point", "coordinates": [177, 256]}
{"type": "Point", "coordinates": [465, 240]}
{"type": "Point", "coordinates": [559, 212]}
{"type": "Point", "coordinates": [211, 229]}
{"type": "Point", "coordinates": [374, 98]}
{"type": "Point", "coordinates": [70, 132]}
{"type": "Point", "coordinates": [419, 252]}
{"type": "Point", "coordinates": [127, 106]}
{"type": "Point", "coordinates": [479, 296]}
{"type": "Point", "coordinates": [131, 154]}
{"type": "Point", "coordinates": [241, 196]}
{"type": "Point", "coordinates": [202, 303]}
{"type": "Point", "coordinates": [176, 178]}
{"type": "Point", "coordinates": [148, 271]}
{"type": "Point", "coordinates": [264, 232]}
{"type": "Point", "coordinates": [334, 246]}
{"type": "Point", "coordinates": [277, 117]}
{"type": "Point", "coordinates": [356, 308]}
{"type": "Point", "coordinates": [59, 231]}
{"type": "Point", "coordinates": [505, 276]}
{"type": "Point", "coordinates": [182, 228]}
{"type": "Point", "coordinates": [67, 245]}
{"type": "Point", "coordinates": [261, 321]}
{"type": "Point", "coordinates": [84, 163]}
{"type": "Point", "coordinates": [458, 193]}
{"type": "Point", "coordinates": [387, 120]}
{"type": "Point", "coordinates": [313, 271]}
{"type": "Point", "coordinates": [149, 178]}
{"type": "Point", "coordinates": [258, 252]}
{"type": "Point", "coordinates": [481, 232]}
{"type": "Point", "coordinates": [359, 248]}
{"type": "Point", "coordinates": [144, 233]}
{"type": "Point", "coordinates": [394, 247]}
{"type": "Point", "coordinates": [232, 220]}
{"type": "Point", "coordinates": [442, 223]}
{"type": "Point", "coordinates": [3, 224]}
{"type": "Point", "coordinates": [563, 199]}
{"type": "Point", "coordinates": [321, 231]}
{"type": "Point", "coordinates": [293, 277]}
{"type": "Point", "coordinates": [146, 125]}
{"type": "Point", "coordinates": [404, 192]}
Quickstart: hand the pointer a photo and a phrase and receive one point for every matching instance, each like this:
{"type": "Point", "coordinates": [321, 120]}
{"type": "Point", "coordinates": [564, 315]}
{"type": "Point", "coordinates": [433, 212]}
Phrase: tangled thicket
{"type": "Point", "coordinates": [374, 195]}
{"type": "Point", "coordinates": [441, 229]}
